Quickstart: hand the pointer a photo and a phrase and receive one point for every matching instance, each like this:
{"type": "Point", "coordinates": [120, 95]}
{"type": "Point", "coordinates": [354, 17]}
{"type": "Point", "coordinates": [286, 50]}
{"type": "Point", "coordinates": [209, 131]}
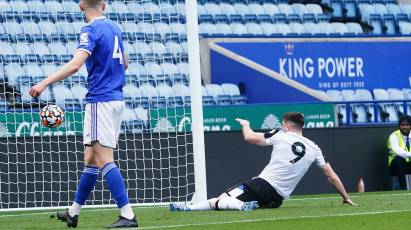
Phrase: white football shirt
{"type": "Point", "coordinates": [291, 157]}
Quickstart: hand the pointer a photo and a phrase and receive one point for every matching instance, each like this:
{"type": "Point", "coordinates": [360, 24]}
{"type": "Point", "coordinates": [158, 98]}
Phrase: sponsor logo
{"type": "Point", "coordinates": [84, 39]}
{"type": "Point", "coordinates": [289, 48]}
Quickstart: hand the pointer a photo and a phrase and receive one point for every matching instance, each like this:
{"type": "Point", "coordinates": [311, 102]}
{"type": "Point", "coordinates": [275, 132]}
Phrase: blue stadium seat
{"type": "Point", "coordinates": [351, 9]}
{"type": "Point", "coordinates": [270, 8]}
{"type": "Point", "coordinates": [176, 101]}
{"type": "Point", "coordinates": [401, 18]}
{"type": "Point", "coordinates": [239, 99]}
{"type": "Point", "coordinates": [354, 27]}
{"type": "Point", "coordinates": [337, 7]}
{"type": "Point", "coordinates": [406, 9]}
{"type": "Point", "coordinates": [389, 24]}
{"type": "Point", "coordinates": [119, 7]}
{"type": "Point", "coordinates": [253, 28]}
{"type": "Point", "coordinates": [148, 7]}
{"type": "Point", "coordinates": [264, 18]}
{"type": "Point", "coordinates": [12, 71]}
{"type": "Point", "coordinates": [339, 27]}
{"type": "Point", "coordinates": [19, 6]}
{"type": "Point", "coordinates": [207, 28]}
{"type": "Point", "coordinates": [147, 90]}
{"type": "Point", "coordinates": [142, 102]}
{"type": "Point", "coordinates": [208, 101]}
{"type": "Point", "coordinates": [365, 11]}
{"type": "Point", "coordinates": [212, 8]}
{"type": "Point", "coordinates": [326, 28]}
{"type": "Point", "coordinates": [312, 28]}
{"type": "Point", "coordinates": [299, 9]}
{"type": "Point", "coordinates": [228, 9]}
{"type": "Point", "coordinates": [404, 27]}
{"type": "Point", "coordinates": [241, 8]}
{"type": "Point", "coordinates": [181, 90]}
{"type": "Point", "coordinates": [322, 18]}
{"type": "Point", "coordinates": [379, 9]}
{"type": "Point", "coordinates": [223, 28]}
{"type": "Point", "coordinates": [183, 68]}
{"type": "Point", "coordinates": [285, 9]}
{"type": "Point", "coordinates": [280, 18]}
{"type": "Point", "coordinates": [268, 28]}
{"type": "Point", "coordinates": [136, 7]}
{"type": "Point", "coordinates": [179, 79]}
{"type": "Point", "coordinates": [72, 104]}
{"type": "Point", "coordinates": [178, 28]}
{"type": "Point", "coordinates": [393, 8]}
{"type": "Point", "coordinates": [53, 7]}
{"type": "Point", "coordinates": [164, 90]}
{"type": "Point", "coordinates": [5, 6]}
{"type": "Point", "coordinates": [314, 9]}
{"type": "Point", "coordinates": [224, 100]}
{"type": "Point", "coordinates": [167, 8]}
{"type": "Point", "coordinates": [283, 28]}
{"type": "Point", "coordinates": [297, 28]}
{"type": "Point", "coordinates": [293, 18]}
{"type": "Point", "coordinates": [376, 22]}
{"type": "Point", "coordinates": [309, 18]}
{"type": "Point", "coordinates": [158, 102]}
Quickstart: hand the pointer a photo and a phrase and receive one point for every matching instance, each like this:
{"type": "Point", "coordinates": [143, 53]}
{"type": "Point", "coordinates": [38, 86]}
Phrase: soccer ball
{"type": "Point", "coordinates": [51, 116]}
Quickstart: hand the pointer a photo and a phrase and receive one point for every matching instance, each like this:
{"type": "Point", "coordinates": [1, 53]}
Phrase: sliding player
{"type": "Point", "coordinates": [291, 157]}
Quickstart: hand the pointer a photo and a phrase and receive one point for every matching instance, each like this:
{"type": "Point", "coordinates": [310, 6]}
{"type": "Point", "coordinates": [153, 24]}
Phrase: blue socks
{"type": "Point", "coordinates": [115, 183]}
{"type": "Point", "coordinates": [86, 184]}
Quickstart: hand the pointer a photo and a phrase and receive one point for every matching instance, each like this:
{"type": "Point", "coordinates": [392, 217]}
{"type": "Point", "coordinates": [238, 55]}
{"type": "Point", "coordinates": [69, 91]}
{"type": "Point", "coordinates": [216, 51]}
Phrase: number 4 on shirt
{"type": "Point", "coordinates": [117, 50]}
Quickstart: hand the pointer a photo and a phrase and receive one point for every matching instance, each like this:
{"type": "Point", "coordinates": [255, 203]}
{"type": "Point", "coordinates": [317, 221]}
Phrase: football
{"type": "Point", "coordinates": [51, 116]}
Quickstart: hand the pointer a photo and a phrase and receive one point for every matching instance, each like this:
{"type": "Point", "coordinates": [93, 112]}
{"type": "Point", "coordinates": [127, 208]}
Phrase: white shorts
{"type": "Point", "coordinates": [102, 122]}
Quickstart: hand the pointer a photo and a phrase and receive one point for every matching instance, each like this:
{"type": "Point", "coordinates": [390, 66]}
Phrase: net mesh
{"type": "Point", "coordinates": [41, 167]}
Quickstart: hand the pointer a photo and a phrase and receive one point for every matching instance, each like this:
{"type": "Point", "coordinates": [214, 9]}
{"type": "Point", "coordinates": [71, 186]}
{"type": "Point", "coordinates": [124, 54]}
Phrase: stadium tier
{"type": "Point", "coordinates": [38, 36]}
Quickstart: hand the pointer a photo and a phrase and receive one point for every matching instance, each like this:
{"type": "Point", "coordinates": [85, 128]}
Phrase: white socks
{"type": "Point", "coordinates": [230, 203]}
{"type": "Point", "coordinates": [206, 205]}
{"type": "Point", "coordinates": [74, 209]}
{"type": "Point", "coordinates": [127, 212]}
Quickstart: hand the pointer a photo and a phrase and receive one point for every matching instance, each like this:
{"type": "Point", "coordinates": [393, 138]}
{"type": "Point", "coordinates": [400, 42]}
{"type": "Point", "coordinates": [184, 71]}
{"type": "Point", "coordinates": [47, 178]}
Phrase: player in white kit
{"type": "Point", "coordinates": [291, 157]}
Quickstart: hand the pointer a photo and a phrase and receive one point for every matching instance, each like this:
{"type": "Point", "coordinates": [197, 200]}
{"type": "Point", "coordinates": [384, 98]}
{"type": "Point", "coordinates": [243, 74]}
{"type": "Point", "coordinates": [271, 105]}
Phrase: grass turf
{"type": "Point", "coordinates": [380, 210]}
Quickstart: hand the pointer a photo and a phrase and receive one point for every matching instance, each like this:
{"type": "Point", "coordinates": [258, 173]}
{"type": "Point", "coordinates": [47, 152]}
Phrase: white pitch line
{"type": "Point", "coordinates": [83, 210]}
{"type": "Point", "coordinates": [293, 199]}
{"type": "Point", "coordinates": [355, 196]}
{"type": "Point", "coordinates": [273, 219]}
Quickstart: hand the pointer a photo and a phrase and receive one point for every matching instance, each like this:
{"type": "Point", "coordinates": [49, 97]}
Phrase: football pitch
{"type": "Point", "coordinates": [377, 210]}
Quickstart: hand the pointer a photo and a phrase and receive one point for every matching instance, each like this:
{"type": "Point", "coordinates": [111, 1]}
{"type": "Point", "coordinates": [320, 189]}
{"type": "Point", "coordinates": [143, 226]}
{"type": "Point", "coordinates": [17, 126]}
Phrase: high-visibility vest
{"type": "Point", "coordinates": [400, 138]}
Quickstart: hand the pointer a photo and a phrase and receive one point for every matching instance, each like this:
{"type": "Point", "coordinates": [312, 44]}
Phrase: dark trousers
{"type": "Point", "coordinates": [400, 167]}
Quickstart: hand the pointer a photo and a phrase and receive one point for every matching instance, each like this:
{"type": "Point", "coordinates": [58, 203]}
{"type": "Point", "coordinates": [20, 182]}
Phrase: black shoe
{"type": "Point", "coordinates": [65, 217]}
{"type": "Point", "coordinates": [123, 222]}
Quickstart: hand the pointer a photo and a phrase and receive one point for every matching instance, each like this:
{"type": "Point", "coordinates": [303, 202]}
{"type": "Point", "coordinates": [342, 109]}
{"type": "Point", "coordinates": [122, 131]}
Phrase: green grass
{"type": "Point", "coordinates": [382, 210]}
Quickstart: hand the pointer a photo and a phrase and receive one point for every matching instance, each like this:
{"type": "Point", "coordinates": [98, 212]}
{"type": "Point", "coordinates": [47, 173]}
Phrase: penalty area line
{"type": "Point", "coordinates": [274, 219]}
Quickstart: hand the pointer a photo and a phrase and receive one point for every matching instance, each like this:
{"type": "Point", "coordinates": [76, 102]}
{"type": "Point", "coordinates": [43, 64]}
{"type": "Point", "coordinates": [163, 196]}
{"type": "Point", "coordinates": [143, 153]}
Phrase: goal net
{"type": "Point", "coordinates": [41, 167]}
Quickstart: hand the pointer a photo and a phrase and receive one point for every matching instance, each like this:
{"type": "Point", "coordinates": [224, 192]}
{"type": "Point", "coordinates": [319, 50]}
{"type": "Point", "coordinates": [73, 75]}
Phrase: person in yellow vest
{"type": "Point", "coordinates": [399, 162]}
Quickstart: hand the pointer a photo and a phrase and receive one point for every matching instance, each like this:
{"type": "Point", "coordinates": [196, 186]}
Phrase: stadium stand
{"type": "Point", "coordinates": [37, 36]}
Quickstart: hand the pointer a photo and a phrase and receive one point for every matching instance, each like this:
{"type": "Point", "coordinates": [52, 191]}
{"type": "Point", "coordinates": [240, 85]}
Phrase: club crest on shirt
{"type": "Point", "coordinates": [84, 39]}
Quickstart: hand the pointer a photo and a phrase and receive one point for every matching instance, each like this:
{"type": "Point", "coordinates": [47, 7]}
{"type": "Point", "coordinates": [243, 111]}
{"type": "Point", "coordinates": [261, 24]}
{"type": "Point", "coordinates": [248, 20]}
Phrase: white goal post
{"type": "Point", "coordinates": [160, 153]}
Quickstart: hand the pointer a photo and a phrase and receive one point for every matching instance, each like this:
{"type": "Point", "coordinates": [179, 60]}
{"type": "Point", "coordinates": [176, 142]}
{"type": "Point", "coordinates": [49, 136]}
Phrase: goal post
{"type": "Point", "coordinates": [196, 105]}
{"type": "Point", "coordinates": [160, 153]}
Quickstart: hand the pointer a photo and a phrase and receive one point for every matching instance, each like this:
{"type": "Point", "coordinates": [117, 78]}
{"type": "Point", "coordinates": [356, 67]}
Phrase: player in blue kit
{"type": "Point", "coordinates": [101, 48]}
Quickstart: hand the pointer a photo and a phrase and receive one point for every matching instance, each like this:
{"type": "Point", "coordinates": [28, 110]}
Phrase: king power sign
{"type": "Point", "coordinates": [342, 64]}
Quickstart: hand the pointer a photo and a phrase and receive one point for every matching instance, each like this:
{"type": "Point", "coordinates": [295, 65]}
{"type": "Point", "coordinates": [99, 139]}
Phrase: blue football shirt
{"type": "Point", "coordinates": [101, 38]}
